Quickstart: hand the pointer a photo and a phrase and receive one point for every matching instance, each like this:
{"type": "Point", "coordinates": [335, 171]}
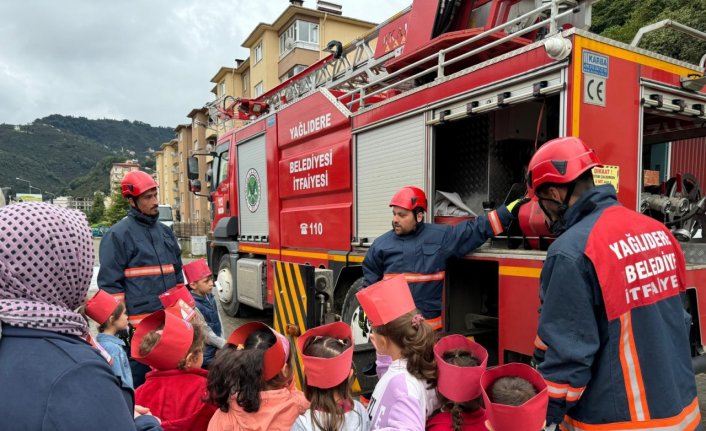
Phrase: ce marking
{"type": "Point", "coordinates": [594, 91]}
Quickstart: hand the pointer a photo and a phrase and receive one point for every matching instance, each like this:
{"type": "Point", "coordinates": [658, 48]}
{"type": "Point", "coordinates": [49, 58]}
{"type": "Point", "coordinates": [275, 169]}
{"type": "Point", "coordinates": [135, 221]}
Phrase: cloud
{"type": "Point", "coordinates": [138, 60]}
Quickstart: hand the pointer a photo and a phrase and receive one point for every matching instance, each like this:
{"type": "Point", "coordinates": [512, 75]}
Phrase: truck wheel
{"type": "Point", "coordinates": [363, 351]}
{"type": "Point", "coordinates": [226, 289]}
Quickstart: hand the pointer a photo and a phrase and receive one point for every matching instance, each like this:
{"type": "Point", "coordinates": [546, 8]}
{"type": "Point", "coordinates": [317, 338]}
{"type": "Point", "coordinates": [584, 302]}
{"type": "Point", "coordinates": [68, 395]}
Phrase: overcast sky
{"type": "Point", "coordinates": [147, 60]}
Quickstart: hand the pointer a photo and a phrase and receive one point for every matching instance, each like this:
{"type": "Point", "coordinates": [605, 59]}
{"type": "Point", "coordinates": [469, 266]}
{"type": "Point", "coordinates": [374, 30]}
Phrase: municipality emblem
{"type": "Point", "coordinates": [252, 190]}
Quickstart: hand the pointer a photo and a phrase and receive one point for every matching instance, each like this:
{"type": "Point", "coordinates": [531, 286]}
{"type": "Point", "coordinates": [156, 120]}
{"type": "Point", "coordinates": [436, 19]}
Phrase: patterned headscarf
{"type": "Point", "coordinates": [46, 263]}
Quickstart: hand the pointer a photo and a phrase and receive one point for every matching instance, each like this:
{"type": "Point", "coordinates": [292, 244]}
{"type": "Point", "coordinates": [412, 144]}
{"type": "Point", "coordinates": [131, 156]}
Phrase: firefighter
{"type": "Point", "coordinates": [140, 257]}
{"type": "Point", "coordinates": [612, 343]}
{"type": "Point", "coordinates": [419, 250]}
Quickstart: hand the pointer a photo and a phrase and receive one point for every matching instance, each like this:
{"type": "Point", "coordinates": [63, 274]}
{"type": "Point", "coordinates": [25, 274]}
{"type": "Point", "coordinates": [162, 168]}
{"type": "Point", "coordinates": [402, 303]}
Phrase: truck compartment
{"type": "Point", "coordinates": [481, 156]}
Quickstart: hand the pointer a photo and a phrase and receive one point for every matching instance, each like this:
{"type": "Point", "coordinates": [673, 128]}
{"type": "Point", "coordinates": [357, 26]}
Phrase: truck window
{"type": "Point", "coordinates": [222, 167]}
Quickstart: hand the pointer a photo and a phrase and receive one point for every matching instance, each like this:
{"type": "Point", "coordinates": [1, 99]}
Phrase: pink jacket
{"type": "Point", "coordinates": [278, 411]}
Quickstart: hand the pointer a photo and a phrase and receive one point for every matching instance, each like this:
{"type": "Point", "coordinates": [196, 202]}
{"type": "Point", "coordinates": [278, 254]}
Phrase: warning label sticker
{"type": "Point", "coordinates": [606, 175]}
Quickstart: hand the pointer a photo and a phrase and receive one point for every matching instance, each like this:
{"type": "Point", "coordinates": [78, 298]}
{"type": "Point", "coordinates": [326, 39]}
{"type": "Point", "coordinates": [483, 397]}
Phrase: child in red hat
{"type": "Point", "coordinates": [175, 388]}
{"type": "Point", "coordinates": [111, 316]}
{"type": "Point", "coordinates": [200, 281]}
{"type": "Point", "coordinates": [515, 397]}
{"type": "Point", "coordinates": [461, 362]}
{"type": "Point", "coordinates": [327, 354]}
{"type": "Point", "coordinates": [251, 381]}
{"type": "Point", "coordinates": [405, 396]}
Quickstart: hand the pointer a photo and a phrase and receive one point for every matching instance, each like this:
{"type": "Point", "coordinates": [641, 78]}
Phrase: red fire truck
{"type": "Point", "coordinates": [455, 96]}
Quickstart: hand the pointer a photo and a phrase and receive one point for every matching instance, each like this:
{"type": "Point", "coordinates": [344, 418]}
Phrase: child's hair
{"type": "Point", "coordinates": [119, 310]}
{"type": "Point", "coordinates": [511, 391]}
{"type": "Point", "coordinates": [239, 372]}
{"type": "Point", "coordinates": [460, 358]}
{"type": "Point", "coordinates": [326, 413]}
{"type": "Point", "coordinates": [416, 341]}
{"type": "Point", "coordinates": [152, 338]}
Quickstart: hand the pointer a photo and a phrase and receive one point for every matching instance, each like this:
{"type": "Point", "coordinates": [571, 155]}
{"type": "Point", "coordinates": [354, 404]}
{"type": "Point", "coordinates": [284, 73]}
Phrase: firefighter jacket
{"type": "Point", "coordinates": [612, 342]}
{"type": "Point", "coordinates": [140, 259]}
{"type": "Point", "coordinates": [421, 256]}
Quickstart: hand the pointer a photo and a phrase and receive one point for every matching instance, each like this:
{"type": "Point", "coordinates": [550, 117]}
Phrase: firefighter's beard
{"type": "Point", "coordinates": [399, 230]}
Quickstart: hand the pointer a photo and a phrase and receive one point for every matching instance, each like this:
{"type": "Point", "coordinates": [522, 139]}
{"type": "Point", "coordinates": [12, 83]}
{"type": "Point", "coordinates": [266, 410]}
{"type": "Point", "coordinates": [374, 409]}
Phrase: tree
{"type": "Point", "coordinates": [118, 209]}
{"type": "Point", "coordinates": [98, 208]}
{"type": "Point", "coordinates": [621, 19]}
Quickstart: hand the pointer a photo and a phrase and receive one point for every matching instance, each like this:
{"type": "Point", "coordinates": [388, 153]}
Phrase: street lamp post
{"type": "Point", "coordinates": [36, 188]}
{"type": "Point", "coordinates": [28, 182]}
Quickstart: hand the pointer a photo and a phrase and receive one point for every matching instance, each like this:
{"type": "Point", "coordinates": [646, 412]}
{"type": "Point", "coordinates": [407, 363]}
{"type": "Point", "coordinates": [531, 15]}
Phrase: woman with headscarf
{"type": "Point", "coordinates": [51, 377]}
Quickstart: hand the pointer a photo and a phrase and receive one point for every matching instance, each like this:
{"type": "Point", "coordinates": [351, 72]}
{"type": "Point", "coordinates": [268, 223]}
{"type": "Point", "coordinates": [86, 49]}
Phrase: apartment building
{"type": "Point", "coordinates": [278, 51]}
{"type": "Point", "coordinates": [203, 141]}
{"type": "Point", "coordinates": [118, 171]}
{"type": "Point", "coordinates": [167, 167]}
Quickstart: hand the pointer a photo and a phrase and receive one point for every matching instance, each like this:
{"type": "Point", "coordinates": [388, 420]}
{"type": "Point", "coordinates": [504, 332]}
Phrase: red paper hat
{"type": "Point", "coordinates": [196, 270]}
{"type": "Point", "coordinates": [173, 345]}
{"type": "Point", "coordinates": [386, 300]}
{"type": "Point", "coordinates": [532, 414]}
{"type": "Point", "coordinates": [326, 373]}
{"type": "Point", "coordinates": [459, 384]}
{"type": "Point", "coordinates": [275, 357]}
{"type": "Point", "coordinates": [171, 296]}
{"type": "Point", "coordinates": [101, 306]}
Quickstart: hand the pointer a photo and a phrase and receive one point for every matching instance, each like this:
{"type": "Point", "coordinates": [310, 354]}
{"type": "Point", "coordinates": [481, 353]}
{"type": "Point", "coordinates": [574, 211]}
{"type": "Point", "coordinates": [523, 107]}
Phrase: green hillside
{"type": "Point", "coordinates": [69, 155]}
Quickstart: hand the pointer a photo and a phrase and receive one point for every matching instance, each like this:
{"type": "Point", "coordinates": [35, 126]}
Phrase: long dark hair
{"type": "Point", "coordinates": [239, 372]}
{"type": "Point", "coordinates": [416, 342]}
{"type": "Point", "coordinates": [327, 414]}
{"type": "Point", "coordinates": [460, 358]}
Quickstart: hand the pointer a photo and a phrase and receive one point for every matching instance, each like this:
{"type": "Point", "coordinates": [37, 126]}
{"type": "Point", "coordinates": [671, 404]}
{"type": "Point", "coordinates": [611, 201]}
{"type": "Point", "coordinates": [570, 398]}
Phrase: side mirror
{"type": "Point", "coordinates": [195, 186]}
{"type": "Point", "coordinates": [192, 168]}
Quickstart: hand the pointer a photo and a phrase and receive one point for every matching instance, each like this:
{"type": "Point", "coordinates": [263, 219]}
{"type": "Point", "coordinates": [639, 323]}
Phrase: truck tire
{"type": "Point", "coordinates": [227, 291]}
{"type": "Point", "coordinates": [363, 350]}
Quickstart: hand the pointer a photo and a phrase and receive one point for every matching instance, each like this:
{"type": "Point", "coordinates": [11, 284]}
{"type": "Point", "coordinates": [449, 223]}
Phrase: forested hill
{"type": "Point", "coordinates": [61, 154]}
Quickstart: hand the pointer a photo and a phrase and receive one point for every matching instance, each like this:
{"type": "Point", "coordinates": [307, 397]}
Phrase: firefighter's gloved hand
{"type": "Point", "coordinates": [514, 206]}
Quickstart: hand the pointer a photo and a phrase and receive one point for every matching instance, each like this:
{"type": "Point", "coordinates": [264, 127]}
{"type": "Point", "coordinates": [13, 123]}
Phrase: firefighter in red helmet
{"type": "Point", "coordinates": [140, 257]}
{"type": "Point", "coordinates": [420, 250]}
{"type": "Point", "coordinates": [611, 293]}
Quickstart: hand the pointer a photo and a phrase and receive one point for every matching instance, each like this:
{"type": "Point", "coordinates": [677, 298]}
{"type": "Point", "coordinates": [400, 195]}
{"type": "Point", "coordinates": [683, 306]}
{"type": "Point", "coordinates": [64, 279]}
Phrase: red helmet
{"type": "Point", "coordinates": [560, 161]}
{"type": "Point", "coordinates": [135, 183]}
{"type": "Point", "coordinates": [410, 198]}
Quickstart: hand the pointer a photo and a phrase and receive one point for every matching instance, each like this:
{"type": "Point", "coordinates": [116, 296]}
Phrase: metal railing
{"type": "Point", "coordinates": [187, 230]}
{"type": "Point", "coordinates": [359, 94]}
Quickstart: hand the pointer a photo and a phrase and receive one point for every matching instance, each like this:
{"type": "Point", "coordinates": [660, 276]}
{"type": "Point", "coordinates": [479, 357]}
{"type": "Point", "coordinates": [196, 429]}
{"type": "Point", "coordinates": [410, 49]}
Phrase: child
{"type": "Point", "coordinates": [405, 396]}
{"type": "Point", "coordinates": [111, 316]}
{"type": "Point", "coordinates": [515, 397]}
{"type": "Point", "coordinates": [461, 362]}
{"type": "Point", "coordinates": [327, 354]}
{"type": "Point", "coordinates": [251, 381]}
{"type": "Point", "coordinates": [200, 281]}
{"type": "Point", "coordinates": [175, 389]}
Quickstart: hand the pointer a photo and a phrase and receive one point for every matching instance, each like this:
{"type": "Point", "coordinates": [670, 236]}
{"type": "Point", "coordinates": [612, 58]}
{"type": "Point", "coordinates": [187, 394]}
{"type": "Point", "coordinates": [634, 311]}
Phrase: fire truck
{"type": "Point", "coordinates": [448, 96]}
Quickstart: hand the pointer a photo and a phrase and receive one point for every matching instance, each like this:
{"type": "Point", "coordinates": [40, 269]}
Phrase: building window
{"type": "Point", "coordinates": [198, 215]}
{"type": "Point", "coordinates": [181, 177]}
{"type": "Point", "coordinates": [258, 52]}
{"type": "Point", "coordinates": [259, 89]}
{"type": "Point", "coordinates": [291, 72]}
{"type": "Point", "coordinates": [223, 87]}
{"type": "Point", "coordinates": [301, 34]}
{"type": "Point", "coordinates": [246, 82]}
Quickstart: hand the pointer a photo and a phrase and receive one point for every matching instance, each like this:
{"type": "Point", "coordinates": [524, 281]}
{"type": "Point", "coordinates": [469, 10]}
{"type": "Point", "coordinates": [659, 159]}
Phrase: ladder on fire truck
{"type": "Point", "coordinates": [358, 78]}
